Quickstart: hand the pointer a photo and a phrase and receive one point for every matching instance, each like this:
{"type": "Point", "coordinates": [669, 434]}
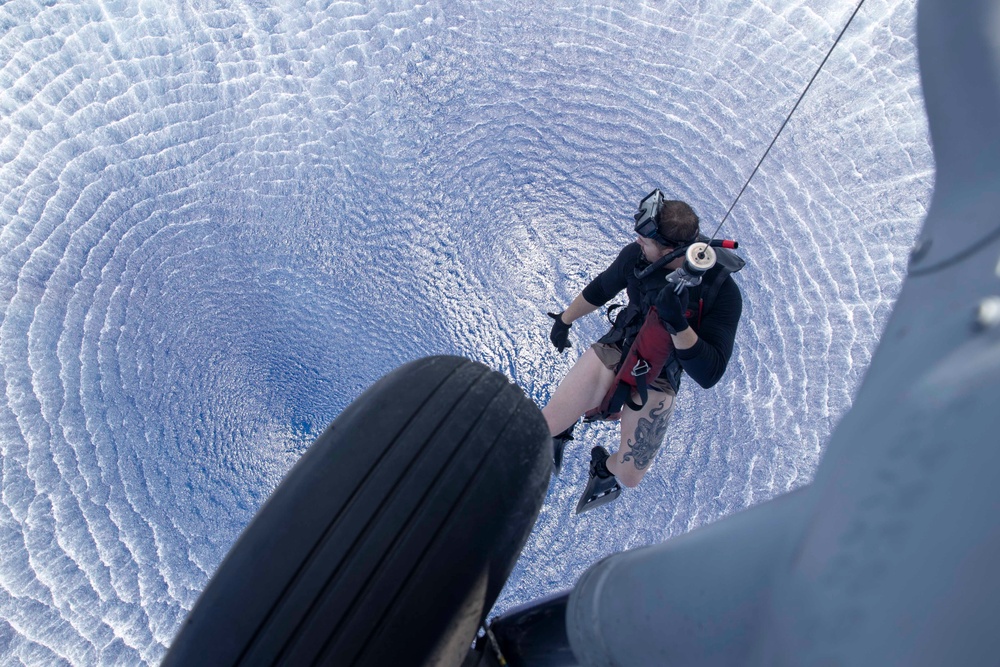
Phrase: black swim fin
{"type": "Point", "coordinates": [558, 445]}
{"type": "Point", "coordinates": [602, 487]}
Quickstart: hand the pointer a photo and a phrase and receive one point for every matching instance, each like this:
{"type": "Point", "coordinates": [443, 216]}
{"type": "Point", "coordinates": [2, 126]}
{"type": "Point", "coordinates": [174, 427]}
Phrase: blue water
{"type": "Point", "coordinates": [223, 220]}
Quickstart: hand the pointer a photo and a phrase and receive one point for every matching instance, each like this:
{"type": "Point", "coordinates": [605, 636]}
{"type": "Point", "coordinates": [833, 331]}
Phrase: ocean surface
{"type": "Point", "coordinates": [222, 220]}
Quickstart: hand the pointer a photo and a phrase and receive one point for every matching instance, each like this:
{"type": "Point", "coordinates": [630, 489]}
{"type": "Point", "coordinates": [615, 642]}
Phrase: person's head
{"type": "Point", "coordinates": [677, 223]}
{"type": "Point", "coordinates": [663, 225]}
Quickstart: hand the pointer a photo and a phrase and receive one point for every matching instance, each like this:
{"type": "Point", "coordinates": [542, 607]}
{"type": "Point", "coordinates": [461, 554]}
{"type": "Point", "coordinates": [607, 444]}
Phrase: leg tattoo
{"type": "Point", "coordinates": [649, 433]}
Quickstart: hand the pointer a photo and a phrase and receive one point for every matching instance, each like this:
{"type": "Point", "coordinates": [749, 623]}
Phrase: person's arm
{"type": "Point", "coordinates": [601, 289]}
{"type": "Point", "coordinates": [577, 309]}
{"type": "Point", "coordinates": [707, 357]}
{"type": "Point", "coordinates": [604, 287]}
{"type": "Point", "coordinates": [685, 340]}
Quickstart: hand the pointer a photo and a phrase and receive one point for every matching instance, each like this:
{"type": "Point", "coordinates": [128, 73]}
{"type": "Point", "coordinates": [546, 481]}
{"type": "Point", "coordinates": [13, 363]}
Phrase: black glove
{"type": "Point", "coordinates": [671, 306]}
{"type": "Point", "coordinates": [560, 332]}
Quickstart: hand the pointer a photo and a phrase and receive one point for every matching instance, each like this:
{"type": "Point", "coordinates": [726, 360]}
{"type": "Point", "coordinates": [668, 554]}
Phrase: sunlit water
{"type": "Point", "coordinates": [222, 221]}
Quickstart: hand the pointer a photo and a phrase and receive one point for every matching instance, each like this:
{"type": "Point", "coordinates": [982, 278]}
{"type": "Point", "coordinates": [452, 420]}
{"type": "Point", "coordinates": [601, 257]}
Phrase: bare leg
{"type": "Point", "coordinates": [583, 388]}
{"type": "Point", "coordinates": [642, 435]}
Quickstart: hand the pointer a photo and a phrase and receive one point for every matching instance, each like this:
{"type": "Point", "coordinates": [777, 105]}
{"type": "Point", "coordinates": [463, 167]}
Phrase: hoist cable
{"type": "Point", "coordinates": [788, 118]}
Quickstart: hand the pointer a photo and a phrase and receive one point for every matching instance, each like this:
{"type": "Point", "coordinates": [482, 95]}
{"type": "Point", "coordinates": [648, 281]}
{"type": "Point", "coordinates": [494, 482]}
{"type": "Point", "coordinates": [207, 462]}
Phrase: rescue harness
{"type": "Point", "coordinates": [645, 353]}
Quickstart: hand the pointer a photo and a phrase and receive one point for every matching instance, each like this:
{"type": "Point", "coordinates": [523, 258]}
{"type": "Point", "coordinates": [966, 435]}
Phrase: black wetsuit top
{"type": "Point", "coordinates": [707, 360]}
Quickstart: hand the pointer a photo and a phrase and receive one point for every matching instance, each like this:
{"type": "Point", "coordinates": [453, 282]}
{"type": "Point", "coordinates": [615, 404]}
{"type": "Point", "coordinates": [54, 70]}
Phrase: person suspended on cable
{"type": "Point", "coordinates": [682, 313]}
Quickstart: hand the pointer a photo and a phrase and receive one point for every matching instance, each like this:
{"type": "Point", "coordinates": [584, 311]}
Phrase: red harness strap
{"type": "Point", "coordinates": [642, 364]}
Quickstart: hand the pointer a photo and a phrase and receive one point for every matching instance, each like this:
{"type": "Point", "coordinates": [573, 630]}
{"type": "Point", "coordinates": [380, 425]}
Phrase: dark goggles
{"type": "Point", "coordinates": [646, 220]}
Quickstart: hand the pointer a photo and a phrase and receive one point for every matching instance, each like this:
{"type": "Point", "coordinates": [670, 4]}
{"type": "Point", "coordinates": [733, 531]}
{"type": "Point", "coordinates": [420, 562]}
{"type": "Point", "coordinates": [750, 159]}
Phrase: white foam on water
{"type": "Point", "coordinates": [221, 224]}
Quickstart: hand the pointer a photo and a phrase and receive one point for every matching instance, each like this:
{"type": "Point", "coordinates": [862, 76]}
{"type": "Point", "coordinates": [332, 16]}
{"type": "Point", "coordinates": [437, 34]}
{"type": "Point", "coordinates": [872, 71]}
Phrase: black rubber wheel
{"type": "Point", "coordinates": [390, 539]}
